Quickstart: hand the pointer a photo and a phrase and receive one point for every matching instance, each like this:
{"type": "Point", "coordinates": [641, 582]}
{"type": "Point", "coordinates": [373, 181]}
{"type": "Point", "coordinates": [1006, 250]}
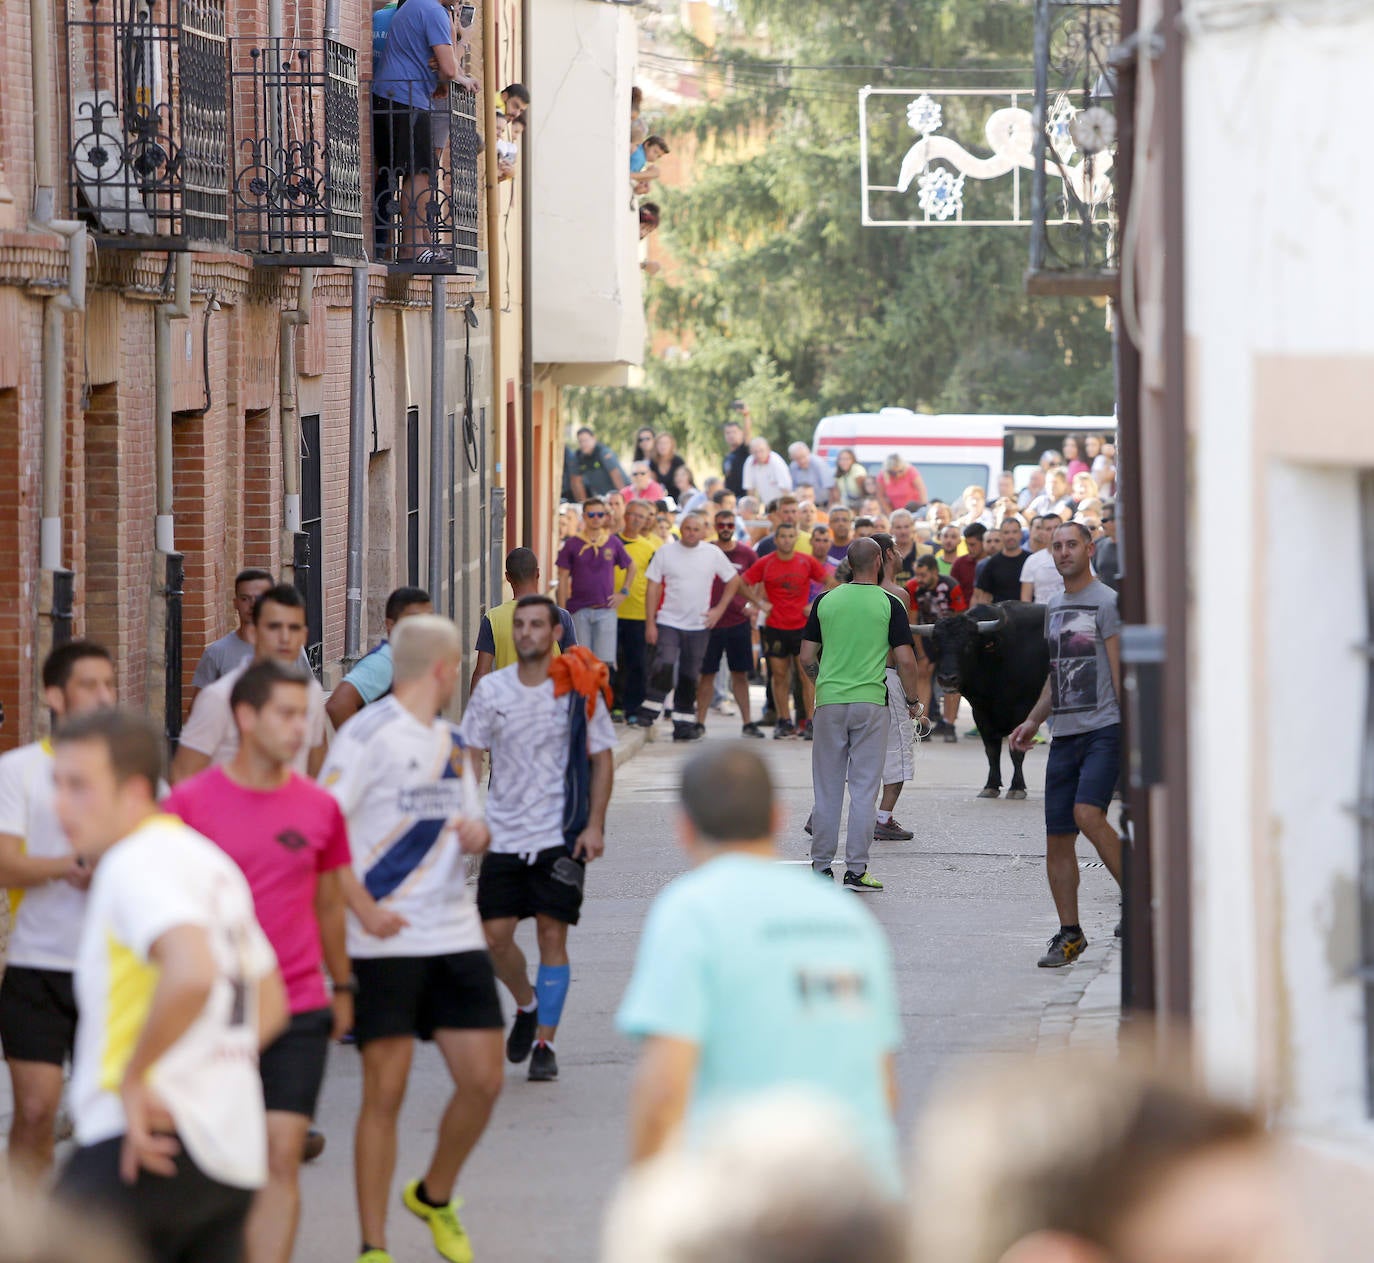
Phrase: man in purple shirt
{"type": "Point", "coordinates": [586, 580]}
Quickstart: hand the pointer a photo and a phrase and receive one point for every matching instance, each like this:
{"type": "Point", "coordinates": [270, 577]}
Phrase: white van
{"type": "Point", "coordinates": [952, 451]}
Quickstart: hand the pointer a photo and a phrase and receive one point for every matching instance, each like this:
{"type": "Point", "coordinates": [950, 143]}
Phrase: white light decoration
{"type": "Point", "coordinates": [941, 159]}
{"type": "Point", "coordinates": [940, 193]}
{"type": "Point", "coordinates": [924, 114]}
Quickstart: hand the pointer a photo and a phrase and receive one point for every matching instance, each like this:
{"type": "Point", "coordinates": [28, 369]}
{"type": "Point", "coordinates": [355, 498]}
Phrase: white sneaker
{"type": "Point", "coordinates": [722, 706]}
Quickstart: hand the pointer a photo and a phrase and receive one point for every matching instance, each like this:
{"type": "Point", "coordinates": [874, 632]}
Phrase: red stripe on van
{"type": "Point", "coordinates": [899, 440]}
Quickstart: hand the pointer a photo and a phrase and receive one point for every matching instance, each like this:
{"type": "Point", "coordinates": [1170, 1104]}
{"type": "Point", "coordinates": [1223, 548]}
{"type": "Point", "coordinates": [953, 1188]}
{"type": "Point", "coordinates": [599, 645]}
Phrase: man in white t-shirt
{"type": "Point", "coordinates": [765, 472]}
{"type": "Point", "coordinates": [178, 990]}
{"type": "Point", "coordinates": [47, 890]}
{"type": "Point", "coordinates": [210, 735]}
{"type": "Point", "coordinates": [1040, 578]}
{"type": "Point", "coordinates": [399, 773]}
{"type": "Point", "coordinates": [680, 576]}
{"type": "Point", "coordinates": [547, 813]}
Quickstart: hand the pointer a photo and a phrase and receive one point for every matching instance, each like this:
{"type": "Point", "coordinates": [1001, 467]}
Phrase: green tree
{"type": "Point", "coordinates": [782, 298]}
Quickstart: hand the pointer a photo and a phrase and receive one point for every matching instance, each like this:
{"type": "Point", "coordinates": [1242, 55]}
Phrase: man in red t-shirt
{"type": "Point", "coordinates": [290, 839]}
{"type": "Point", "coordinates": [963, 570]}
{"type": "Point", "coordinates": [780, 585]}
{"type": "Point", "coordinates": [732, 638]}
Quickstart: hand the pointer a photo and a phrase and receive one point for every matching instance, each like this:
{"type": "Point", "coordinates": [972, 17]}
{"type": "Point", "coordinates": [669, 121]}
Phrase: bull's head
{"type": "Point", "coordinates": [951, 638]}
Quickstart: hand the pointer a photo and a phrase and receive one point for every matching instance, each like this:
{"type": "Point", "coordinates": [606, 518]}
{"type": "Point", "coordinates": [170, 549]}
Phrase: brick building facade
{"type": "Point", "coordinates": [228, 400]}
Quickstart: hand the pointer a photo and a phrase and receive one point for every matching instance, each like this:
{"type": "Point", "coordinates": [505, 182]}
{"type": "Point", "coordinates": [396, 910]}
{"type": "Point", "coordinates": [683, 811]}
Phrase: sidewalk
{"type": "Point", "coordinates": [1090, 1015]}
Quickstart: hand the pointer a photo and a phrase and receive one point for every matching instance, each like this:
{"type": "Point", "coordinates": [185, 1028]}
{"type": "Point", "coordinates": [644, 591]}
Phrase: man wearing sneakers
{"type": "Point", "coordinates": [677, 632]}
{"type": "Point", "coordinates": [857, 625]}
{"type": "Point", "coordinates": [47, 889]}
{"type": "Point", "coordinates": [289, 838]}
{"type": "Point", "coordinates": [1081, 698]}
{"type": "Point", "coordinates": [178, 989]}
{"type": "Point", "coordinates": [399, 773]}
{"type": "Point", "coordinates": [780, 585]}
{"type": "Point", "coordinates": [733, 637]}
{"type": "Point", "coordinates": [552, 748]}
{"type": "Point", "coordinates": [632, 666]}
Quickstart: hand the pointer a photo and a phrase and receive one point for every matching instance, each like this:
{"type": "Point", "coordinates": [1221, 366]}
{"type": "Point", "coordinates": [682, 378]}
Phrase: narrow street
{"type": "Point", "coordinates": [966, 908]}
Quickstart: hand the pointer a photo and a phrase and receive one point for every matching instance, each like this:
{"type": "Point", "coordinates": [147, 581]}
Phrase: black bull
{"type": "Point", "coordinates": [997, 657]}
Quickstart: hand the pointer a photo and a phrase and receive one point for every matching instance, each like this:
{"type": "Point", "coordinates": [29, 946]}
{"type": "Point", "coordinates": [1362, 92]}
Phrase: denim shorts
{"type": "Point", "coordinates": [1082, 768]}
{"type": "Point", "coordinates": [596, 630]}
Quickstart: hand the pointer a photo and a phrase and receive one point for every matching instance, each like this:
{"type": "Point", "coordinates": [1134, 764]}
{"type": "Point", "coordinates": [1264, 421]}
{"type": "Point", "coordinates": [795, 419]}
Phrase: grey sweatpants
{"type": "Point", "coordinates": [848, 744]}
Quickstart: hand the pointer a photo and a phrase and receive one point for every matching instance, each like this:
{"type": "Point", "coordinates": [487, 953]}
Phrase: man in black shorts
{"type": "Point", "coordinates": [47, 890]}
{"type": "Point", "coordinates": [780, 585]}
{"type": "Point", "coordinates": [552, 763]}
{"type": "Point", "coordinates": [732, 637]}
{"type": "Point", "coordinates": [419, 956]}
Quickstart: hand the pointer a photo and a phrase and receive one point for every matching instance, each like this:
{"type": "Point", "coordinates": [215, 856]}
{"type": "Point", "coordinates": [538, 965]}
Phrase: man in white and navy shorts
{"type": "Point", "coordinates": [899, 762]}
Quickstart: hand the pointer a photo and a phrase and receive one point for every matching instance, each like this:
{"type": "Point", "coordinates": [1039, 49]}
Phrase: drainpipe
{"type": "Point", "coordinates": [498, 385]}
{"type": "Point", "coordinates": [437, 339]}
{"type": "Point", "coordinates": [73, 298]}
{"type": "Point", "coordinates": [527, 463]}
{"type": "Point", "coordinates": [357, 470]}
{"type": "Point", "coordinates": [290, 415]}
{"type": "Point", "coordinates": [178, 309]}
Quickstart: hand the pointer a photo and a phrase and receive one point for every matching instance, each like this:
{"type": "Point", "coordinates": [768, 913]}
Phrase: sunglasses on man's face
{"type": "Point", "coordinates": [594, 514]}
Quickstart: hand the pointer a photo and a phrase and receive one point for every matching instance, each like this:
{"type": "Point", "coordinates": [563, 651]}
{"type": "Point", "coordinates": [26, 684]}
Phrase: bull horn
{"type": "Point", "coordinates": [988, 625]}
{"type": "Point", "coordinates": [922, 629]}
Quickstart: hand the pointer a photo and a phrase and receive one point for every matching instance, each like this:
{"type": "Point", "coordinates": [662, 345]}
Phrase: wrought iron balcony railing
{"type": "Point", "coordinates": [426, 192]}
{"type": "Point", "coordinates": [148, 162]}
{"type": "Point", "coordinates": [297, 188]}
{"type": "Point", "coordinates": [1074, 246]}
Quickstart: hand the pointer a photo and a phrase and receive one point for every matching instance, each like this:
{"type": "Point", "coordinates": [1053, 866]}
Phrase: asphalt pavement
{"type": "Point", "coordinates": [968, 913]}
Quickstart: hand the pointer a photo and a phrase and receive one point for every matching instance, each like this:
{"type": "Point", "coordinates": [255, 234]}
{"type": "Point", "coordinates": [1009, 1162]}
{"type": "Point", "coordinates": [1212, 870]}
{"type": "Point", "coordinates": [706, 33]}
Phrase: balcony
{"type": "Point", "coordinates": [1074, 247]}
{"type": "Point", "coordinates": [426, 203]}
{"type": "Point", "coordinates": [297, 187]}
{"type": "Point", "coordinates": [148, 119]}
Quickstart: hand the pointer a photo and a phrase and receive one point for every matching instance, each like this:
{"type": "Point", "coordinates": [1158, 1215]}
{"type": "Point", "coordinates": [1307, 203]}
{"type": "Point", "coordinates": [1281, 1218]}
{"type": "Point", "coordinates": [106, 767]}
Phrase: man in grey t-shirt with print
{"type": "Point", "coordinates": [1082, 696]}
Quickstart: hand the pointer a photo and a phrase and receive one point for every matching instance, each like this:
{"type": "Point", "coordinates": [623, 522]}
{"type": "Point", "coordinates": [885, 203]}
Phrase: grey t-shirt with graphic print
{"type": "Point", "coordinates": [1077, 625]}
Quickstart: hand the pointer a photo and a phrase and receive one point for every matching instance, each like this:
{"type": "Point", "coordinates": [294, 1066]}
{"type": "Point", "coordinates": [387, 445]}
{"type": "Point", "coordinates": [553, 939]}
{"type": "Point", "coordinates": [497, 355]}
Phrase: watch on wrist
{"type": "Point", "coordinates": [913, 701]}
{"type": "Point", "coordinates": [348, 987]}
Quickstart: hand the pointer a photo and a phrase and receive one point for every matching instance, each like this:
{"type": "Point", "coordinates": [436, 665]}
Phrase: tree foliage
{"type": "Point", "coordinates": [780, 296]}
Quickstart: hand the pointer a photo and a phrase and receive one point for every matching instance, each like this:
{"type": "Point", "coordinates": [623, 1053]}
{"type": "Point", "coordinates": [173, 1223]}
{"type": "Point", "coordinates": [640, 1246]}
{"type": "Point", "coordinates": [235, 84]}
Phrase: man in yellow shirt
{"type": "Point", "coordinates": [495, 643]}
{"type": "Point", "coordinates": [633, 666]}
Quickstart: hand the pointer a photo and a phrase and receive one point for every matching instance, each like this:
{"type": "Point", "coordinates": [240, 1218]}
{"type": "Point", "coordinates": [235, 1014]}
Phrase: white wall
{"type": "Point", "coordinates": [1281, 334]}
{"type": "Point", "coordinates": [587, 294]}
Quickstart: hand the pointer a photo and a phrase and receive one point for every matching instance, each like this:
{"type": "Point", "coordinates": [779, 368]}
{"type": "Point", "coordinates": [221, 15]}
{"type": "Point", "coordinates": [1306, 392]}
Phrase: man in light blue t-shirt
{"type": "Point", "coordinates": [752, 976]}
{"type": "Point", "coordinates": [370, 679]}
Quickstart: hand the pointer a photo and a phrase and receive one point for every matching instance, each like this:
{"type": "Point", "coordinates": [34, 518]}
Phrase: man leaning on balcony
{"type": "Point", "coordinates": [419, 61]}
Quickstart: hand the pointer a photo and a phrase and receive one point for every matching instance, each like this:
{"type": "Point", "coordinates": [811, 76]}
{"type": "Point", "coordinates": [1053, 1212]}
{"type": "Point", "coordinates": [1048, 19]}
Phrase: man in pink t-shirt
{"type": "Point", "coordinates": [289, 837]}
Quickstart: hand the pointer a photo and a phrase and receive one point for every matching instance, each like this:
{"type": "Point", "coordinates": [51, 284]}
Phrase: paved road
{"type": "Point", "coordinates": [968, 913]}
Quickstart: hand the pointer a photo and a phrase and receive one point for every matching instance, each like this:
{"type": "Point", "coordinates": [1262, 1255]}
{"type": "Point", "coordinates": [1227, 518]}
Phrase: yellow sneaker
{"type": "Point", "coordinates": [450, 1237]}
{"type": "Point", "coordinates": [374, 1256]}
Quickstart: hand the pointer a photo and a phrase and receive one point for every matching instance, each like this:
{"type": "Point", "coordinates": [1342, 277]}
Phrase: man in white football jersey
{"type": "Point", "coordinates": [399, 773]}
{"type": "Point", "coordinates": [552, 766]}
{"type": "Point", "coordinates": [47, 892]}
{"type": "Point", "coordinates": [178, 990]}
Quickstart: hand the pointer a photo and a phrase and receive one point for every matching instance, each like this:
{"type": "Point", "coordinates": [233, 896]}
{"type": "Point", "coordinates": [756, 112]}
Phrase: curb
{"type": "Point", "coordinates": [631, 743]}
{"type": "Point", "coordinates": [1090, 1013]}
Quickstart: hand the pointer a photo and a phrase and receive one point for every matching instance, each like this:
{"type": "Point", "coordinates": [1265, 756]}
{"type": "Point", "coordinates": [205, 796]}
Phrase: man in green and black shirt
{"type": "Point", "coordinates": [857, 625]}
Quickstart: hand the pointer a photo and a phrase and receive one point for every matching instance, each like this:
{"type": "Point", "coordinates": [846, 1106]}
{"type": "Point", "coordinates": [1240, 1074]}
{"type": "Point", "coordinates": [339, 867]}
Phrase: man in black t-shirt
{"type": "Point", "coordinates": [999, 578]}
{"type": "Point", "coordinates": [594, 469]}
{"type": "Point", "coordinates": [736, 456]}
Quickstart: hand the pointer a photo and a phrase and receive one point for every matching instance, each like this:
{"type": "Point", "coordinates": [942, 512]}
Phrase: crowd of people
{"type": "Point", "coordinates": [301, 875]}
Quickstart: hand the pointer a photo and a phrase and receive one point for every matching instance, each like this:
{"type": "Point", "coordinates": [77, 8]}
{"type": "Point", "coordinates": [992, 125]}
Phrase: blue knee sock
{"type": "Point", "coordinates": [551, 986]}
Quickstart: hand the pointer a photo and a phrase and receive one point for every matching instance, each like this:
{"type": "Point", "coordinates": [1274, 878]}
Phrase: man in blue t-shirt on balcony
{"type": "Point", "coordinates": [410, 81]}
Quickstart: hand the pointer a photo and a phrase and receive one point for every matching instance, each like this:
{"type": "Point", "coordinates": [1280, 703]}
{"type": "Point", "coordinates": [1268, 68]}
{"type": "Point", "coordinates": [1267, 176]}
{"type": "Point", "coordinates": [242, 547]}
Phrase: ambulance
{"type": "Point", "coordinates": [953, 451]}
